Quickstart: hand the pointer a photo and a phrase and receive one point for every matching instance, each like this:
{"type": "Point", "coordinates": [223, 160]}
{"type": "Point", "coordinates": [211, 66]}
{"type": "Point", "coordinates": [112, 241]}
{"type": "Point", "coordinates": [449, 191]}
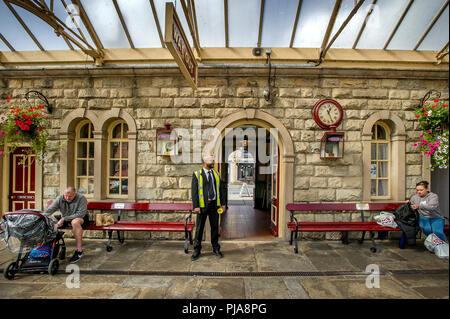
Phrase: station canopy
{"type": "Point", "coordinates": [408, 33]}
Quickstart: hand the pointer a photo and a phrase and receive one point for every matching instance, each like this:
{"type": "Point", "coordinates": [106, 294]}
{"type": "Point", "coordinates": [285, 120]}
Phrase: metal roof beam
{"type": "Point", "coordinates": [363, 26]}
{"type": "Point", "coordinates": [122, 21]}
{"type": "Point", "coordinates": [438, 15]}
{"type": "Point", "coordinates": [337, 6]}
{"type": "Point", "coordinates": [191, 27]}
{"type": "Point", "coordinates": [158, 26]}
{"type": "Point", "coordinates": [87, 23]}
{"type": "Point", "coordinates": [74, 21]}
{"type": "Point", "coordinates": [7, 43]}
{"type": "Point", "coordinates": [350, 16]}
{"type": "Point", "coordinates": [398, 24]}
{"type": "Point", "coordinates": [194, 15]}
{"type": "Point", "coordinates": [261, 21]}
{"type": "Point", "coordinates": [294, 29]}
{"type": "Point", "coordinates": [23, 24]}
{"type": "Point", "coordinates": [225, 9]}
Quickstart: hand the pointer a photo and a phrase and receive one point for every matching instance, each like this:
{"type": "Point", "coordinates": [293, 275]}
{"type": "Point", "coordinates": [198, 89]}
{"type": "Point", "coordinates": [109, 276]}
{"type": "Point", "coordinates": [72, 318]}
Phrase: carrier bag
{"type": "Point", "coordinates": [104, 219]}
{"type": "Point", "coordinates": [436, 245]}
{"type": "Point", "coordinates": [386, 219]}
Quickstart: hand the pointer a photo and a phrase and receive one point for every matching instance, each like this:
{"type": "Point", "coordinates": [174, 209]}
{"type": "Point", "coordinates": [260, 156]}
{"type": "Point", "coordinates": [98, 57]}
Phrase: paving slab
{"type": "Point", "coordinates": [221, 288]}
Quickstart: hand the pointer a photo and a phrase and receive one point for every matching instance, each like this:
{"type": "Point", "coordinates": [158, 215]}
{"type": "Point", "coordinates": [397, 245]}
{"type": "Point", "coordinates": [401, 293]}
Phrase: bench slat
{"type": "Point", "coordinates": [339, 226]}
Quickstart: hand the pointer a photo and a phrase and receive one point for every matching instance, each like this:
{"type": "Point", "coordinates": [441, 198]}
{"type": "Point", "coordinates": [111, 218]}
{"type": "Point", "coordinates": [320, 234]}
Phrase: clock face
{"type": "Point", "coordinates": [327, 113]}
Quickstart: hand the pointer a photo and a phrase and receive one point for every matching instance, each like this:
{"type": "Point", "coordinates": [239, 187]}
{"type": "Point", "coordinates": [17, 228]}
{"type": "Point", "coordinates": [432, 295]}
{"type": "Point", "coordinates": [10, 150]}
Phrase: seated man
{"type": "Point", "coordinates": [73, 209]}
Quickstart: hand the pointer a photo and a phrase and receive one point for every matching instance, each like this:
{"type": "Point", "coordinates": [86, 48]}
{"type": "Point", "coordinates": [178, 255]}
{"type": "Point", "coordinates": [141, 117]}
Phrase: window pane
{"type": "Point", "coordinates": [211, 23]}
{"type": "Point", "coordinates": [438, 36]}
{"type": "Point", "coordinates": [124, 186]}
{"type": "Point", "coordinates": [91, 149]}
{"type": "Point", "coordinates": [348, 36]}
{"type": "Point", "coordinates": [42, 31]}
{"type": "Point", "coordinates": [117, 131]}
{"type": "Point", "coordinates": [381, 133]}
{"type": "Point", "coordinates": [124, 150]}
{"type": "Point", "coordinates": [84, 131]}
{"type": "Point", "coordinates": [140, 22]}
{"type": "Point", "coordinates": [381, 23]}
{"type": "Point", "coordinates": [114, 186]}
{"type": "Point", "coordinates": [115, 151]}
{"type": "Point", "coordinates": [124, 168]}
{"type": "Point", "coordinates": [91, 168]}
{"type": "Point", "coordinates": [278, 22]}
{"type": "Point", "coordinates": [415, 23]}
{"type": "Point", "coordinates": [13, 31]}
{"type": "Point", "coordinates": [82, 150]}
{"type": "Point", "coordinates": [91, 186]}
{"type": "Point", "coordinates": [312, 23]}
{"type": "Point", "coordinates": [82, 185]}
{"type": "Point", "coordinates": [243, 15]}
{"type": "Point", "coordinates": [125, 131]}
{"type": "Point", "coordinates": [105, 20]}
{"type": "Point", "coordinates": [81, 168]}
{"type": "Point", "coordinates": [373, 170]}
{"type": "Point", "coordinates": [373, 151]}
{"type": "Point", "coordinates": [382, 169]}
{"type": "Point", "coordinates": [382, 151]}
{"type": "Point", "coordinates": [382, 187]}
{"type": "Point", "coordinates": [373, 188]}
{"type": "Point", "coordinates": [114, 168]}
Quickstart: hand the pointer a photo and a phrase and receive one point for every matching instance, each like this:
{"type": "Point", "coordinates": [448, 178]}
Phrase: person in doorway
{"type": "Point", "coordinates": [73, 207]}
{"type": "Point", "coordinates": [427, 203]}
{"type": "Point", "coordinates": [207, 198]}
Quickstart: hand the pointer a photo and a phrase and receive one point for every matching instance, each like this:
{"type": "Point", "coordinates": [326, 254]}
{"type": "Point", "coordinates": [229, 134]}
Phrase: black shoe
{"type": "Point", "coordinates": [218, 253]}
{"type": "Point", "coordinates": [195, 255]}
{"type": "Point", "coordinates": [76, 256]}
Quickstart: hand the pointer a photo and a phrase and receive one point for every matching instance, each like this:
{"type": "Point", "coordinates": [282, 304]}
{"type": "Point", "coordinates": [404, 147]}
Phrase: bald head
{"type": "Point", "coordinates": [208, 161]}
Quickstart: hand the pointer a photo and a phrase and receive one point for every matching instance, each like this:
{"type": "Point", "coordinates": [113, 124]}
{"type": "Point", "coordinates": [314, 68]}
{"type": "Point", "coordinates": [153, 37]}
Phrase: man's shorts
{"type": "Point", "coordinates": [84, 225]}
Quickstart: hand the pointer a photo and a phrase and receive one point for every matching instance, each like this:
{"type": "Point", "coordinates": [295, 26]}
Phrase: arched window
{"type": "Point", "coordinates": [84, 158]}
{"type": "Point", "coordinates": [117, 181]}
{"type": "Point", "coordinates": [380, 161]}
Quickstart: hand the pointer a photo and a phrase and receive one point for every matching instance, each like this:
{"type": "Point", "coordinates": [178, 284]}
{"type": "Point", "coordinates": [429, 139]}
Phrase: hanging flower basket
{"type": "Point", "coordinates": [433, 117]}
{"type": "Point", "coordinates": [25, 125]}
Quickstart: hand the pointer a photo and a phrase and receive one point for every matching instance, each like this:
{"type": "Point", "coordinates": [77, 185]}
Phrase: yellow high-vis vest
{"type": "Point", "coordinates": [201, 197]}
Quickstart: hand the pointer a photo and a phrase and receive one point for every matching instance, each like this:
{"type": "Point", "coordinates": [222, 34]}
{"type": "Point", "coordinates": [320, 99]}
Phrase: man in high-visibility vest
{"type": "Point", "coordinates": [207, 200]}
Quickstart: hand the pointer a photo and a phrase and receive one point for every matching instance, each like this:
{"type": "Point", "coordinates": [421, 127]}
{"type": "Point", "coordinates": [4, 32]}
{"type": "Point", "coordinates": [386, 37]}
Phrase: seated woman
{"type": "Point", "coordinates": [430, 219]}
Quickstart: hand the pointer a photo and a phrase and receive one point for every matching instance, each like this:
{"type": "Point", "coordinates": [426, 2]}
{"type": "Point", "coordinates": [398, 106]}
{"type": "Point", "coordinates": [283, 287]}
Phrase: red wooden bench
{"type": "Point", "coordinates": [120, 225]}
{"type": "Point", "coordinates": [295, 226]}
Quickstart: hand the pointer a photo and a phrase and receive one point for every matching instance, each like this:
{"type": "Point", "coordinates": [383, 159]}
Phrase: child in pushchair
{"type": "Point", "coordinates": [35, 238]}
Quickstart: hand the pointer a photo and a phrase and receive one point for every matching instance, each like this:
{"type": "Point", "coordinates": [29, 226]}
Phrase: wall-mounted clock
{"type": "Point", "coordinates": [328, 114]}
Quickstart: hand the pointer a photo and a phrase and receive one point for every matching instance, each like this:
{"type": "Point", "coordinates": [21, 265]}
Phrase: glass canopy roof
{"type": "Point", "coordinates": [384, 24]}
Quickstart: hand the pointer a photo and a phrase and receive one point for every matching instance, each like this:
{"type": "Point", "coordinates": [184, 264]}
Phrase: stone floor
{"type": "Point", "coordinates": [257, 269]}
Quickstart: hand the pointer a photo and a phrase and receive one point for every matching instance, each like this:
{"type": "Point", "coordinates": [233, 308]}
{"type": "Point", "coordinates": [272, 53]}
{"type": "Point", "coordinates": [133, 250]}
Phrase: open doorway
{"type": "Point", "coordinates": [252, 210]}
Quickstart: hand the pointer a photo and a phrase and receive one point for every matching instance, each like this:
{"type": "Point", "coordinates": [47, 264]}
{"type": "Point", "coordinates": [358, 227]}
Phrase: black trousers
{"type": "Point", "coordinates": [211, 211]}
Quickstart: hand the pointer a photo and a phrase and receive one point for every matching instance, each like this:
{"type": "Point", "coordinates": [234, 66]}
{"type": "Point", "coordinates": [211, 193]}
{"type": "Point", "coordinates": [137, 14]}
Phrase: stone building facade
{"type": "Point", "coordinates": [146, 98]}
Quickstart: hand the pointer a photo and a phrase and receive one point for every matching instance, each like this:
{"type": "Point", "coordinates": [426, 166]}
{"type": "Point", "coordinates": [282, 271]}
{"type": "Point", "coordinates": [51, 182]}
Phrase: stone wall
{"type": "Point", "coordinates": [153, 99]}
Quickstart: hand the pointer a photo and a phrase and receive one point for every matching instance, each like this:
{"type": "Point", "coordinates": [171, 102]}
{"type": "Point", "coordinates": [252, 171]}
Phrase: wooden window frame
{"type": "Point", "coordinates": [120, 159]}
{"type": "Point", "coordinates": [389, 161]}
{"type": "Point", "coordinates": [76, 158]}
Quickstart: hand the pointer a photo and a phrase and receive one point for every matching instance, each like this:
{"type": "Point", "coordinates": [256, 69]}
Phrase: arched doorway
{"type": "Point", "coordinates": [285, 157]}
{"type": "Point", "coordinates": [252, 186]}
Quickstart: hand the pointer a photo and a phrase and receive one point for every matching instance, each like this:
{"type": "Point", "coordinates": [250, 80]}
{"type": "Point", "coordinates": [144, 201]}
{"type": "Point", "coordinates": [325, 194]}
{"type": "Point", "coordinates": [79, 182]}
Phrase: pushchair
{"type": "Point", "coordinates": [36, 240]}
